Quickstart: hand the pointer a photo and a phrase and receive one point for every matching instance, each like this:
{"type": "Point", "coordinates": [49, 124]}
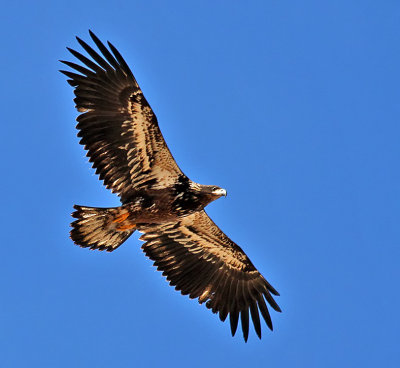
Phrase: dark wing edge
{"type": "Point", "coordinates": [199, 260]}
{"type": "Point", "coordinates": [117, 125]}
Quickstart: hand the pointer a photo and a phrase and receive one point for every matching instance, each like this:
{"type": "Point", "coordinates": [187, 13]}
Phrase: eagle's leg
{"type": "Point", "coordinates": [124, 222]}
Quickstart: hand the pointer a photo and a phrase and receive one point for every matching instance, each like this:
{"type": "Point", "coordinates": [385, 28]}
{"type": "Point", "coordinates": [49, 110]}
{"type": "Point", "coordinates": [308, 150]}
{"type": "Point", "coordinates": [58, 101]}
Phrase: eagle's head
{"type": "Point", "coordinates": [216, 191]}
{"type": "Point", "coordinates": [192, 196]}
{"type": "Point", "coordinates": [210, 193]}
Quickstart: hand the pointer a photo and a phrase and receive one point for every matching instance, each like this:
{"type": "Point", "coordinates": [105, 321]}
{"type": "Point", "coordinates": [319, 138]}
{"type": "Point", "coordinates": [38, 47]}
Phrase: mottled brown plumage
{"type": "Point", "coordinates": [123, 141]}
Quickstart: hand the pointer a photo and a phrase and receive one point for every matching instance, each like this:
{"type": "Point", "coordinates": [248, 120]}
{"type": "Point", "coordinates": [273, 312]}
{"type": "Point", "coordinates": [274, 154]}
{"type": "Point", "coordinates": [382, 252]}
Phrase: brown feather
{"type": "Point", "coordinates": [197, 253]}
{"type": "Point", "coordinates": [118, 127]}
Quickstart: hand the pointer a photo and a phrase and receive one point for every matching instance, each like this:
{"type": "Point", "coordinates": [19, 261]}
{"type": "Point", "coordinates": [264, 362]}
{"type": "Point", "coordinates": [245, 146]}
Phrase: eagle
{"type": "Point", "coordinates": [121, 135]}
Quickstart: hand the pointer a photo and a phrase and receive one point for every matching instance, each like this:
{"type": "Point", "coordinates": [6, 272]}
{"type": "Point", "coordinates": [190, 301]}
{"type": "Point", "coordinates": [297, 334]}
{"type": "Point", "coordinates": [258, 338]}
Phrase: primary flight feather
{"type": "Point", "coordinates": [120, 132]}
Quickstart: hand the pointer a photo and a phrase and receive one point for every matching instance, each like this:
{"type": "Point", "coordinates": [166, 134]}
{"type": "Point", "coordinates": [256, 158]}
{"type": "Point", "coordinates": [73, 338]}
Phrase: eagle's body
{"type": "Point", "coordinates": [121, 134]}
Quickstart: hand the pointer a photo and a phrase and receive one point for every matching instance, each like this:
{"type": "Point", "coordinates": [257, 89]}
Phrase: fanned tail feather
{"type": "Point", "coordinates": [99, 228]}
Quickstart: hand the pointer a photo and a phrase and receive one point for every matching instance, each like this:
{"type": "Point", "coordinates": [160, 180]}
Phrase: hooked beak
{"type": "Point", "coordinates": [219, 192]}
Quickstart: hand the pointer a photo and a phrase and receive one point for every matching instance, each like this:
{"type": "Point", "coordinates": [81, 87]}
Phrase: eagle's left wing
{"type": "Point", "coordinates": [201, 261]}
{"type": "Point", "coordinates": [117, 126]}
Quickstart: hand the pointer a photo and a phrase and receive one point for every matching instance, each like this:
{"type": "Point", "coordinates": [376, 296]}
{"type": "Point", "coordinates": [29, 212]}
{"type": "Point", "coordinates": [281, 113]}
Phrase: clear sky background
{"type": "Point", "coordinates": [293, 106]}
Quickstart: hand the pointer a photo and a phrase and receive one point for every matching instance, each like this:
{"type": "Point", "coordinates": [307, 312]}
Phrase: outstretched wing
{"type": "Point", "coordinates": [201, 261]}
{"type": "Point", "coordinates": [117, 126]}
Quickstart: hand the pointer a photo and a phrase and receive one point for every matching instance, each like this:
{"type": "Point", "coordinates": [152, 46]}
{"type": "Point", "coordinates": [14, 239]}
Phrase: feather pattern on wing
{"type": "Point", "coordinates": [201, 261]}
{"type": "Point", "coordinates": [117, 126]}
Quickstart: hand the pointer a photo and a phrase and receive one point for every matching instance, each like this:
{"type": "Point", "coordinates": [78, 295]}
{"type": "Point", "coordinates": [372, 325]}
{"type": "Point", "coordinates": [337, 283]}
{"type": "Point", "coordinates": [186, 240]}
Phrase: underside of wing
{"type": "Point", "coordinates": [117, 126]}
{"type": "Point", "coordinates": [201, 261]}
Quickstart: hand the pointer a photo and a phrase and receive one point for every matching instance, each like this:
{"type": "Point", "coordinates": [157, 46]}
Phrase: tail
{"type": "Point", "coordinates": [100, 228]}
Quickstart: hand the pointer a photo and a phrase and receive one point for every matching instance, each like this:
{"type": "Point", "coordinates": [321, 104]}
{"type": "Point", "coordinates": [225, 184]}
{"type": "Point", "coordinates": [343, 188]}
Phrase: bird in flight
{"type": "Point", "coordinates": [120, 133]}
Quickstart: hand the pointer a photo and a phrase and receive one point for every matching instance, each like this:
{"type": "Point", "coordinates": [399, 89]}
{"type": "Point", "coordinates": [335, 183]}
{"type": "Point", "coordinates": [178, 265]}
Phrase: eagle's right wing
{"type": "Point", "coordinates": [117, 126]}
{"type": "Point", "coordinates": [200, 260]}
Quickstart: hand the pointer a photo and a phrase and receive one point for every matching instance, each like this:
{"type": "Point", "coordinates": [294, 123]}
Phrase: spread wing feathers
{"type": "Point", "coordinates": [117, 126]}
{"type": "Point", "coordinates": [201, 261]}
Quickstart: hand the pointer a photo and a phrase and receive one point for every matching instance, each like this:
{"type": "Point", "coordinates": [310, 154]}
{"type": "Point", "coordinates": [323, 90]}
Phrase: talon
{"type": "Point", "coordinates": [126, 227]}
{"type": "Point", "coordinates": [121, 218]}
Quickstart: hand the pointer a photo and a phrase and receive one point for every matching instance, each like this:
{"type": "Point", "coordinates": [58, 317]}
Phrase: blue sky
{"type": "Point", "coordinates": [292, 106]}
